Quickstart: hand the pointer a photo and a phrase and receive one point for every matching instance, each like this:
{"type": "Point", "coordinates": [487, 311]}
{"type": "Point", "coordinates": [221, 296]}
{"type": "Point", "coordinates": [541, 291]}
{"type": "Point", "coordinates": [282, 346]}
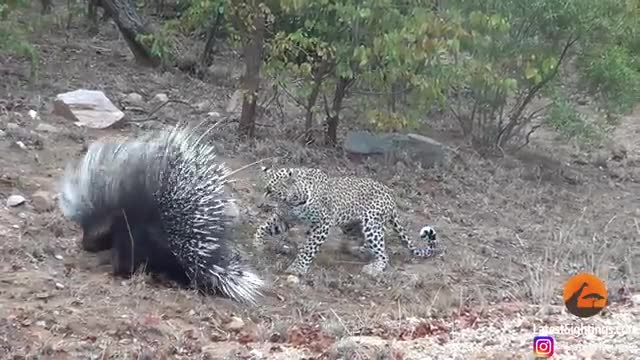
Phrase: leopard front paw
{"type": "Point", "coordinates": [258, 243]}
{"type": "Point", "coordinates": [296, 269]}
{"type": "Point", "coordinates": [374, 269]}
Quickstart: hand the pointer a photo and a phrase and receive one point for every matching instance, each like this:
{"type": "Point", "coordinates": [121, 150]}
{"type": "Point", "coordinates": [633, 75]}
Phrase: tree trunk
{"type": "Point", "coordinates": [396, 88]}
{"type": "Point", "coordinates": [207, 53]}
{"type": "Point", "coordinates": [130, 24]}
{"type": "Point", "coordinates": [251, 79]}
{"type": "Point", "coordinates": [318, 76]}
{"type": "Point", "coordinates": [333, 119]}
{"type": "Point", "coordinates": [47, 6]}
{"type": "Point", "coordinates": [92, 16]}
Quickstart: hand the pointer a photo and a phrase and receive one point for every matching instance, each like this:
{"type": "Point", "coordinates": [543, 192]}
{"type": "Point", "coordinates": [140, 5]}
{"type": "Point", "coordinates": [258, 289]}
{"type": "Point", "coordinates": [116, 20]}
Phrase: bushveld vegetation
{"type": "Point", "coordinates": [501, 69]}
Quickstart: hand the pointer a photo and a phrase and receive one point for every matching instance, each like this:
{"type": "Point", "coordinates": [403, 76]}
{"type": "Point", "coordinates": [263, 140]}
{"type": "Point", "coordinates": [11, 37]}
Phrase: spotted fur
{"type": "Point", "coordinates": [322, 202]}
{"type": "Point", "coordinates": [159, 199]}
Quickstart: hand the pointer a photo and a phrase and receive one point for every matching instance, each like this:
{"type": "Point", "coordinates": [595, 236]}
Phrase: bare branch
{"type": "Point", "coordinates": [290, 95]}
{"type": "Point", "coordinates": [533, 91]}
{"type": "Point", "coordinates": [527, 137]}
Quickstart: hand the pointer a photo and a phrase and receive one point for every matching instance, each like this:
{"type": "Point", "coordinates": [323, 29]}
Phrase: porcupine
{"type": "Point", "coordinates": [159, 200]}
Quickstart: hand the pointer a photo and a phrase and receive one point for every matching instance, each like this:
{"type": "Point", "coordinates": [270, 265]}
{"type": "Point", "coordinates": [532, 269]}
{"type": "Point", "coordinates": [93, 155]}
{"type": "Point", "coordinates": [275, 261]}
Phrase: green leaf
{"type": "Point", "coordinates": [530, 72]}
{"type": "Point", "coordinates": [365, 13]}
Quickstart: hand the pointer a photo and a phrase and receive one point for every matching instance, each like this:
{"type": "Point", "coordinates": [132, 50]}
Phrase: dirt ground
{"type": "Point", "coordinates": [514, 230]}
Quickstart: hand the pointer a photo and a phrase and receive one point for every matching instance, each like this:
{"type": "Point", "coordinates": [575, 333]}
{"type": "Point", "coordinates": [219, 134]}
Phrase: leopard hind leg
{"type": "Point", "coordinates": [373, 231]}
{"type": "Point", "coordinates": [353, 240]}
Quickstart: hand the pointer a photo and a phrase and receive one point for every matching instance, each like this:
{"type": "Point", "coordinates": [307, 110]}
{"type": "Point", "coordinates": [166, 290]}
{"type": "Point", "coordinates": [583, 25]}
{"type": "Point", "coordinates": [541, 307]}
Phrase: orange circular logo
{"type": "Point", "coordinates": [584, 295]}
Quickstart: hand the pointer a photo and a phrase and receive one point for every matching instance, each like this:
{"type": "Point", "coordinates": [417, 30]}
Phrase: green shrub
{"type": "Point", "coordinates": [614, 75]}
{"type": "Point", "coordinates": [13, 36]}
{"type": "Point", "coordinates": [571, 124]}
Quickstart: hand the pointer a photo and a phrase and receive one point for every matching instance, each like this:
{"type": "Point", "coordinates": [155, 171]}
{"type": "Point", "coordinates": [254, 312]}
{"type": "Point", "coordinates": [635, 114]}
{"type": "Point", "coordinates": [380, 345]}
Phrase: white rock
{"type": "Point", "coordinates": [235, 103]}
{"type": "Point", "coordinates": [235, 324]}
{"type": "Point", "coordinates": [292, 279]}
{"type": "Point", "coordinates": [33, 114]}
{"type": "Point", "coordinates": [42, 201]}
{"type": "Point", "coordinates": [15, 200]}
{"type": "Point", "coordinates": [203, 106]}
{"type": "Point", "coordinates": [134, 99]}
{"type": "Point", "coordinates": [88, 108]}
{"type": "Point", "coordinates": [47, 128]}
{"type": "Point", "coordinates": [161, 98]}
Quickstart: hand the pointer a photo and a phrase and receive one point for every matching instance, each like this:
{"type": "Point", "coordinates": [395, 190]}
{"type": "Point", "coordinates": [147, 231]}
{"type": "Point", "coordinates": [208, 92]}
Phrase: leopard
{"type": "Point", "coordinates": [311, 196]}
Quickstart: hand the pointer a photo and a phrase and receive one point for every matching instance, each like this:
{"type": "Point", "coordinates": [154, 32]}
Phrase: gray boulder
{"type": "Point", "coordinates": [392, 146]}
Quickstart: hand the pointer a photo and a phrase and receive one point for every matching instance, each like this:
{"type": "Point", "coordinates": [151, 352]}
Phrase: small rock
{"type": "Point", "coordinates": [235, 103]}
{"type": "Point", "coordinates": [58, 256]}
{"type": "Point", "coordinates": [618, 152]}
{"type": "Point", "coordinates": [256, 354]}
{"type": "Point", "coordinates": [292, 279]}
{"type": "Point", "coordinates": [89, 108]}
{"type": "Point", "coordinates": [15, 200]}
{"type": "Point", "coordinates": [13, 126]}
{"type": "Point", "coordinates": [59, 286]}
{"type": "Point", "coordinates": [21, 145]}
{"type": "Point", "coordinates": [2, 133]}
{"type": "Point", "coordinates": [134, 99]}
{"type": "Point", "coordinates": [160, 98]}
{"type": "Point", "coordinates": [47, 128]}
{"type": "Point", "coordinates": [203, 106]}
{"type": "Point", "coordinates": [235, 324]}
{"type": "Point", "coordinates": [635, 299]}
{"type": "Point", "coordinates": [42, 201]}
{"type": "Point", "coordinates": [214, 114]}
{"type": "Point", "coordinates": [33, 115]}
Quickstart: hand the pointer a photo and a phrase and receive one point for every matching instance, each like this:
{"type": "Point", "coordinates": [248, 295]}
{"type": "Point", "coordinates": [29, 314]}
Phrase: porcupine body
{"type": "Point", "coordinates": [159, 200]}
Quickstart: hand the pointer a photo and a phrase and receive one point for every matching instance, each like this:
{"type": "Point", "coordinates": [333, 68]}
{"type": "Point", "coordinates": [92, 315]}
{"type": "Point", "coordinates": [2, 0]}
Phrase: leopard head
{"type": "Point", "coordinates": [276, 182]}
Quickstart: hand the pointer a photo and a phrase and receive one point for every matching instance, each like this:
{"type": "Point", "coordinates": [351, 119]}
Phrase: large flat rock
{"type": "Point", "coordinates": [89, 108]}
{"type": "Point", "coordinates": [421, 149]}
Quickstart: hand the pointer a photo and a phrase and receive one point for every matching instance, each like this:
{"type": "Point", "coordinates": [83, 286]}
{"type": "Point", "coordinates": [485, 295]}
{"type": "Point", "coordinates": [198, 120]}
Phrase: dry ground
{"type": "Point", "coordinates": [514, 230]}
